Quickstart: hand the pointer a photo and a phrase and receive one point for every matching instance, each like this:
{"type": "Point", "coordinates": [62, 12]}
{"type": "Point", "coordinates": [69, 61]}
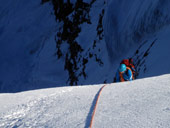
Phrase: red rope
{"type": "Point", "coordinates": [94, 110]}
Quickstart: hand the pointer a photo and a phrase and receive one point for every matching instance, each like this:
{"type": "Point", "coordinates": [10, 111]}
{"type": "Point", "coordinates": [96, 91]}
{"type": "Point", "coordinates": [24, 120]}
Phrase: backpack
{"type": "Point", "coordinates": [129, 63]}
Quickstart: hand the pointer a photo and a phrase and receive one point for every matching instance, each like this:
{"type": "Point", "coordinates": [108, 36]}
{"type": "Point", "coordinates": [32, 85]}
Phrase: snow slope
{"type": "Point", "coordinates": [109, 31]}
{"type": "Point", "coordinates": [28, 34]}
{"type": "Point", "coordinates": [128, 22]}
{"type": "Point", "coordinates": [142, 103]}
{"type": "Point", "coordinates": [25, 27]}
{"type": "Point", "coordinates": [139, 29]}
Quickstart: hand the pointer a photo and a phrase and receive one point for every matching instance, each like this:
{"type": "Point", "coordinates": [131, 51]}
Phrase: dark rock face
{"type": "Point", "coordinates": [70, 17]}
{"type": "Point", "coordinates": [44, 1]}
{"type": "Point", "coordinates": [140, 57]}
{"type": "Point", "coordinates": [79, 14]}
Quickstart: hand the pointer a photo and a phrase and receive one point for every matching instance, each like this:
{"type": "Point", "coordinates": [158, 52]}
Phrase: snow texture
{"type": "Point", "coordinates": [141, 103]}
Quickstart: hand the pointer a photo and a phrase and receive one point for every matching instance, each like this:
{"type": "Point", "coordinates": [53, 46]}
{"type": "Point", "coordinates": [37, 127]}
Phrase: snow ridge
{"type": "Point", "coordinates": [140, 103]}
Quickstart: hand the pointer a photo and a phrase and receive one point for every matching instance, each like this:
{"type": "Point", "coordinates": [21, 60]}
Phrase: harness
{"type": "Point", "coordinates": [121, 75]}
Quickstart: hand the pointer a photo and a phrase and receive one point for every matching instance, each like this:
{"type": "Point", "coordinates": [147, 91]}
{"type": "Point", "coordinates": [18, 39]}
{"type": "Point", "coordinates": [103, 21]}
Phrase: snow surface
{"type": "Point", "coordinates": [141, 103]}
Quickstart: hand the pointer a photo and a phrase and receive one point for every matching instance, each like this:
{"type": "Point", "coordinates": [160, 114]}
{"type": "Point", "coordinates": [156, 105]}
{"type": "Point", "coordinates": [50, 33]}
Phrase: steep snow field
{"type": "Point", "coordinates": [28, 46]}
{"type": "Point", "coordinates": [142, 103]}
{"type": "Point", "coordinates": [23, 33]}
{"type": "Point", "coordinates": [115, 30]}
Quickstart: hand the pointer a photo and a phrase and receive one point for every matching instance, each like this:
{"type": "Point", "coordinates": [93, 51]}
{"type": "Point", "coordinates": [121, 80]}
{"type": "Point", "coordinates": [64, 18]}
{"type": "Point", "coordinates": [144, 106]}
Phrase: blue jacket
{"type": "Point", "coordinates": [127, 75]}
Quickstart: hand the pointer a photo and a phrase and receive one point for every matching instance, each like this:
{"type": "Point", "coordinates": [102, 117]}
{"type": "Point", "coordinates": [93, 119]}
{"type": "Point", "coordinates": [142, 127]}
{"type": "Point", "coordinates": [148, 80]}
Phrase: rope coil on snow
{"type": "Point", "coordinates": [94, 110]}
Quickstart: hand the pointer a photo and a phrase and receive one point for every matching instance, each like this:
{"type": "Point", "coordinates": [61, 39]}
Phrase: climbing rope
{"type": "Point", "coordinates": [94, 110]}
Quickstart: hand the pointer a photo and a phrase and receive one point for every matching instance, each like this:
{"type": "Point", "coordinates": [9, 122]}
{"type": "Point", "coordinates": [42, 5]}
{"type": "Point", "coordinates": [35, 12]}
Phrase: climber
{"type": "Point", "coordinates": [124, 73]}
{"type": "Point", "coordinates": [129, 63]}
